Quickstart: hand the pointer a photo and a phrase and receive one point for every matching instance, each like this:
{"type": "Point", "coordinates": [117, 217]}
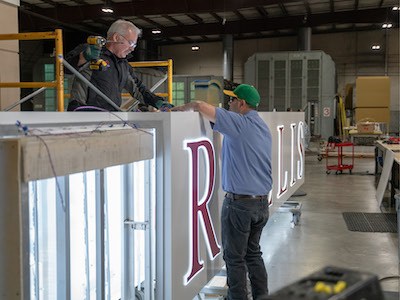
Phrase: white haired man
{"type": "Point", "coordinates": [122, 38]}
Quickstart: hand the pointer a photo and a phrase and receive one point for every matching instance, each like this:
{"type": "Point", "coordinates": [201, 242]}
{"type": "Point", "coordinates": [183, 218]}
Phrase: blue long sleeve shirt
{"type": "Point", "coordinates": [246, 152]}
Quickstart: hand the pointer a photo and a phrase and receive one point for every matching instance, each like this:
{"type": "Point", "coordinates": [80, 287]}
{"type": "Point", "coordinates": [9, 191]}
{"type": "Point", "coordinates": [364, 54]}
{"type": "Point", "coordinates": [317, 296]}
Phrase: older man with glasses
{"type": "Point", "coordinates": [114, 76]}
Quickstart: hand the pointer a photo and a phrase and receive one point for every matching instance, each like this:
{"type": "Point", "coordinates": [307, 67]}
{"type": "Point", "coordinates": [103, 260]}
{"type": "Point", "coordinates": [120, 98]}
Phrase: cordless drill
{"type": "Point", "coordinates": [100, 42]}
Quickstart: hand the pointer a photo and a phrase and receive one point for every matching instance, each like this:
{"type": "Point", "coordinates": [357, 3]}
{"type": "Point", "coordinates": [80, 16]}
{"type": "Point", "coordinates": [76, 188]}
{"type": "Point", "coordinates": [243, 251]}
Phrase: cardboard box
{"type": "Point", "coordinates": [372, 91]}
{"type": "Point", "coordinates": [376, 114]}
{"type": "Point", "coordinates": [366, 127]}
{"type": "Point", "coordinates": [209, 91]}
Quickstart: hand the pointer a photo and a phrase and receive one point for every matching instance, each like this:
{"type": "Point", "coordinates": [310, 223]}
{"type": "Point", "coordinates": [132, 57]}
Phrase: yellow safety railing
{"type": "Point", "coordinates": [59, 75]}
{"type": "Point", "coordinates": [140, 64]}
{"type": "Point", "coordinates": [166, 63]}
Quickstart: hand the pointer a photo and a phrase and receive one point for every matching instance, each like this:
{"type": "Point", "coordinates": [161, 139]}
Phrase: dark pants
{"type": "Point", "coordinates": [242, 222]}
{"type": "Point", "coordinates": [72, 105]}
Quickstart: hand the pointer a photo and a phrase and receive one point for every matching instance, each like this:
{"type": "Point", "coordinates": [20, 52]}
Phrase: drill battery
{"type": "Point", "coordinates": [99, 65]}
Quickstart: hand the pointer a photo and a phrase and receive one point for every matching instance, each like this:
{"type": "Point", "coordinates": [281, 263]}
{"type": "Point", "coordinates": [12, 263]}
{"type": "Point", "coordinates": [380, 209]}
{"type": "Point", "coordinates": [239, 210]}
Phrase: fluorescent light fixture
{"type": "Point", "coordinates": [195, 48]}
{"type": "Point", "coordinates": [107, 8]}
{"type": "Point", "coordinates": [376, 47]}
{"type": "Point", "coordinates": [156, 31]}
{"type": "Point", "coordinates": [387, 25]}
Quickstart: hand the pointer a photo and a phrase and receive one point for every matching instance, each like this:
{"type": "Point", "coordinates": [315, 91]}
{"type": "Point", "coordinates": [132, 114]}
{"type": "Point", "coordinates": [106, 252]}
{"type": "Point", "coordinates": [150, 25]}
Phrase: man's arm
{"type": "Point", "coordinates": [207, 110]}
{"type": "Point", "coordinates": [74, 57]}
{"type": "Point", "coordinates": [81, 54]}
{"type": "Point", "coordinates": [79, 89]}
{"type": "Point", "coordinates": [140, 92]}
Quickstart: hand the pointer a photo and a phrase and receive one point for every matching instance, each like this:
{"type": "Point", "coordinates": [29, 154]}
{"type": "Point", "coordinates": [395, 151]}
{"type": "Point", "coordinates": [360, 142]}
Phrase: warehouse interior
{"type": "Point", "coordinates": [331, 67]}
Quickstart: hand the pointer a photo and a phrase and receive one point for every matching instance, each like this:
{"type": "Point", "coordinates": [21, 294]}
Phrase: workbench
{"type": "Point", "coordinates": [366, 139]}
{"type": "Point", "coordinates": [387, 162]}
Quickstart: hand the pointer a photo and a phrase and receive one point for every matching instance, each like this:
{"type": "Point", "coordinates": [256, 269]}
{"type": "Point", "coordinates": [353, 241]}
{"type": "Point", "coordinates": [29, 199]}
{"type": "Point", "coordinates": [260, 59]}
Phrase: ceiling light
{"type": "Point", "coordinates": [387, 25]}
{"type": "Point", "coordinates": [107, 8]}
{"type": "Point", "coordinates": [195, 48]}
{"type": "Point", "coordinates": [156, 31]}
{"type": "Point", "coordinates": [395, 8]}
{"type": "Point", "coordinates": [376, 47]}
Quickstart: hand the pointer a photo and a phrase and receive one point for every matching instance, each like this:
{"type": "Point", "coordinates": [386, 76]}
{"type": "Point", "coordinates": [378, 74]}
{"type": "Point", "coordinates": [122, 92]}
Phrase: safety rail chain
{"type": "Point", "coordinates": [59, 75]}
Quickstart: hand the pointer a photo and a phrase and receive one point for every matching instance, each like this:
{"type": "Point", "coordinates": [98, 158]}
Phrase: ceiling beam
{"type": "Point", "coordinates": [217, 17]}
{"type": "Point", "coordinates": [307, 6]}
{"type": "Point", "coordinates": [27, 15]}
{"type": "Point", "coordinates": [53, 3]}
{"type": "Point", "coordinates": [332, 6]}
{"type": "Point", "coordinates": [81, 2]}
{"type": "Point", "coordinates": [283, 9]}
{"type": "Point", "coordinates": [195, 18]}
{"type": "Point", "coordinates": [151, 7]}
{"type": "Point", "coordinates": [276, 33]}
{"type": "Point", "coordinates": [355, 4]}
{"type": "Point", "coordinates": [239, 15]}
{"type": "Point", "coordinates": [366, 16]}
{"type": "Point", "coordinates": [261, 10]}
{"type": "Point", "coordinates": [150, 21]}
{"type": "Point", "coordinates": [106, 24]}
{"type": "Point", "coordinates": [173, 20]}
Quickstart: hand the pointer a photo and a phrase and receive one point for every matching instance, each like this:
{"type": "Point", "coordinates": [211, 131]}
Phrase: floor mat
{"type": "Point", "coordinates": [370, 222]}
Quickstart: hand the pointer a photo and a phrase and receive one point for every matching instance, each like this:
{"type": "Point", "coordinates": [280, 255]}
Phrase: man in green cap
{"type": "Point", "coordinates": [247, 181]}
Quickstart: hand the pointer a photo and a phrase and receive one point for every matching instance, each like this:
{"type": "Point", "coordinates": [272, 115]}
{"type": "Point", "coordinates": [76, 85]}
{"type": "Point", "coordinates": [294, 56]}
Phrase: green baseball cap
{"type": "Point", "coordinates": [247, 93]}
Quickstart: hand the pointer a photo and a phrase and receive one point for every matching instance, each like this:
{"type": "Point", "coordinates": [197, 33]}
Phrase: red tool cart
{"type": "Point", "coordinates": [342, 164]}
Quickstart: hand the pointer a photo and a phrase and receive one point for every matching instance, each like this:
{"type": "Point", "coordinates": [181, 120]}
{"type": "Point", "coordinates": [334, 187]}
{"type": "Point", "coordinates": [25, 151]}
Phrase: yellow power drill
{"type": "Point", "coordinates": [100, 42]}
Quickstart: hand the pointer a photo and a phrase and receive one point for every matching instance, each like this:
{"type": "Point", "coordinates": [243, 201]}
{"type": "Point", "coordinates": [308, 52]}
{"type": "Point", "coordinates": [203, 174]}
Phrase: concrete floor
{"type": "Point", "coordinates": [322, 238]}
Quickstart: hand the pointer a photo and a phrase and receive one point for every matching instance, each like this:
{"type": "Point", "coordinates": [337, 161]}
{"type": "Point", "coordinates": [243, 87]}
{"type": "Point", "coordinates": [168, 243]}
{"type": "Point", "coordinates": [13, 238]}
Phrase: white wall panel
{"type": "Point", "coordinates": [350, 51]}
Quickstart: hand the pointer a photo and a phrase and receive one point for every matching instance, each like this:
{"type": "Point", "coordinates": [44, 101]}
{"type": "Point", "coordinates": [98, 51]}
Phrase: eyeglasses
{"type": "Point", "coordinates": [231, 99]}
{"type": "Point", "coordinates": [132, 44]}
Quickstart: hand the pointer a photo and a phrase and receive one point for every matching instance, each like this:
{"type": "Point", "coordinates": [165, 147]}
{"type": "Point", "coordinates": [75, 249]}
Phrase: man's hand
{"type": "Point", "coordinates": [164, 105]}
{"type": "Point", "coordinates": [206, 110]}
{"type": "Point", "coordinates": [185, 107]}
{"type": "Point", "coordinates": [92, 52]}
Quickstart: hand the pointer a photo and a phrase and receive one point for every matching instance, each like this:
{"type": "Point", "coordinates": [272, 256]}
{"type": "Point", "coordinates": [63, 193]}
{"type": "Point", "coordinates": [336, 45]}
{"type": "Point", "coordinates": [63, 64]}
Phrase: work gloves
{"type": "Point", "coordinates": [92, 52]}
{"type": "Point", "coordinates": [164, 105]}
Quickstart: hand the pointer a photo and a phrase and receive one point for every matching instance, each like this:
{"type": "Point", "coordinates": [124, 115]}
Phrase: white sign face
{"type": "Point", "coordinates": [327, 112]}
{"type": "Point", "coordinates": [287, 154]}
{"type": "Point", "coordinates": [188, 188]}
{"type": "Point", "coordinates": [197, 195]}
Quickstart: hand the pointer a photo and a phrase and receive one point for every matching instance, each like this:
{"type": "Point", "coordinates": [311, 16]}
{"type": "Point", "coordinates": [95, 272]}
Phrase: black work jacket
{"type": "Point", "coordinates": [111, 81]}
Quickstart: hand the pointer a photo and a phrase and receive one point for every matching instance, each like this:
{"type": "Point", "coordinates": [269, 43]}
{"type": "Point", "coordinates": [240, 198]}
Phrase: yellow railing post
{"type": "Point", "coordinates": [170, 80]}
{"type": "Point", "coordinates": [59, 75]}
{"type": "Point", "coordinates": [59, 71]}
{"type": "Point", "coordinates": [167, 64]}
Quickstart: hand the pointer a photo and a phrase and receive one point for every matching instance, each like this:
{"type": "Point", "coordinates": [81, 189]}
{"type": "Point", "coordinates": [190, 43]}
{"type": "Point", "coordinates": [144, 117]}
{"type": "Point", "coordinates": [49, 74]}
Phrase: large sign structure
{"type": "Point", "coordinates": [196, 196]}
{"type": "Point", "coordinates": [186, 252]}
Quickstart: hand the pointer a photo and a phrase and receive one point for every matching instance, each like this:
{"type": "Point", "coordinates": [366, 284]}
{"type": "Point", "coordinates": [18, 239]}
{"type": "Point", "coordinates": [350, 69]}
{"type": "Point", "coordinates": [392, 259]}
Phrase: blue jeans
{"type": "Point", "coordinates": [242, 222]}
